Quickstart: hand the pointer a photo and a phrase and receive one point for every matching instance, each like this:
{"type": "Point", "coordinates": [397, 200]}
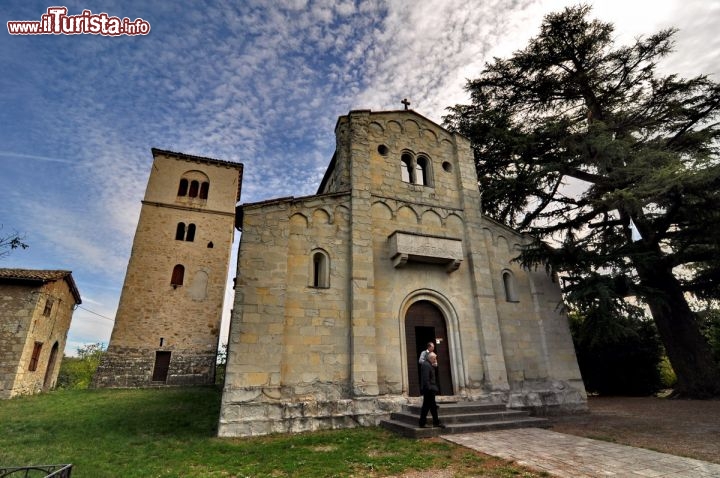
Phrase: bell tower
{"type": "Point", "coordinates": [167, 324]}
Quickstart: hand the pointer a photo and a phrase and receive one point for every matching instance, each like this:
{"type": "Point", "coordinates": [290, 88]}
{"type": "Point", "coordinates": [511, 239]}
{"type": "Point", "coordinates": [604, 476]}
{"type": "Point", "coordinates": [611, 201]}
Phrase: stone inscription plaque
{"type": "Point", "coordinates": [405, 247]}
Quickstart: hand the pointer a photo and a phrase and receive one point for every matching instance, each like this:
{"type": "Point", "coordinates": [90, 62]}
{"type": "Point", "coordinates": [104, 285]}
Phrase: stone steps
{"type": "Point", "coordinates": [461, 417]}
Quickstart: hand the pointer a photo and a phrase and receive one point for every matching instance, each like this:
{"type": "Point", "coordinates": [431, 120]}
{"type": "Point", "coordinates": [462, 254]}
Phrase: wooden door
{"type": "Point", "coordinates": [162, 365]}
{"type": "Point", "coordinates": [424, 323]}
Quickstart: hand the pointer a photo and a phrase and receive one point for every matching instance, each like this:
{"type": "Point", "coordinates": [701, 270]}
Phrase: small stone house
{"type": "Point", "coordinates": [36, 308]}
{"type": "Point", "coordinates": [338, 293]}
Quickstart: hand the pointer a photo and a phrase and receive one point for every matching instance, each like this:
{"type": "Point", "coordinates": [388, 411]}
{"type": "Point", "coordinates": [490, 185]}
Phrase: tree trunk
{"type": "Point", "coordinates": [698, 376]}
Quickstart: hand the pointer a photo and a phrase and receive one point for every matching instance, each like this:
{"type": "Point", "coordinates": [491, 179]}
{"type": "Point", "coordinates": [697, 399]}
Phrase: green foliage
{"type": "Point", "coordinates": [709, 319]}
{"type": "Point", "coordinates": [617, 355]}
{"type": "Point", "coordinates": [220, 365]}
{"type": "Point", "coordinates": [77, 372]}
{"type": "Point", "coordinates": [575, 139]}
{"type": "Point", "coordinates": [667, 374]}
{"type": "Point", "coordinates": [171, 433]}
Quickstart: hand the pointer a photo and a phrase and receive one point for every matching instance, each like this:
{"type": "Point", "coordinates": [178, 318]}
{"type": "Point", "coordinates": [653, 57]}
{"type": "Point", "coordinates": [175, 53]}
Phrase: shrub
{"type": "Point", "coordinates": [667, 374]}
{"type": "Point", "coordinates": [709, 320]}
{"type": "Point", "coordinates": [77, 372]}
{"type": "Point", "coordinates": [619, 356]}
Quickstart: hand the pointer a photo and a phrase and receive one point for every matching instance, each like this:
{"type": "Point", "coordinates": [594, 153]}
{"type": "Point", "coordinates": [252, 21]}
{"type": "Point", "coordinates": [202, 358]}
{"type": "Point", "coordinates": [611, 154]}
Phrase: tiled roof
{"type": "Point", "coordinates": [40, 275]}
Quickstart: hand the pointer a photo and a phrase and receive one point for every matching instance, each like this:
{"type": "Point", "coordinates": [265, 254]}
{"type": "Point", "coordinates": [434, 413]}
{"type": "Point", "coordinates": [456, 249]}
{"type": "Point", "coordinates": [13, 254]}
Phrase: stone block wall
{"type": "Point", "coordinates": [132, 367]}
{"type": "Point", "coordinates": [289, 338]}
{"type": "Point", "coordinates": [17, 306]}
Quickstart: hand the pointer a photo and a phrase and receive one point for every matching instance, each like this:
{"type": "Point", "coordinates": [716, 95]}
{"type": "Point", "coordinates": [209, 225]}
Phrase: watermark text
{"type": "Point", "coordinates": [57, 22]}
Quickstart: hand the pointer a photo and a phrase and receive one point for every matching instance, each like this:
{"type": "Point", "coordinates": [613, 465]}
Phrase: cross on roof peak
{"type": "Point", "coordinates": [405, 102]}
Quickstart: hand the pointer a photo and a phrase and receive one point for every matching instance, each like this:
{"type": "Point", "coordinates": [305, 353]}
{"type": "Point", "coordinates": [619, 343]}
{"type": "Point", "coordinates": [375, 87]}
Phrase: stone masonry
{"type": "Point", "coordinates": [161, 321]}
{"type": "Point", "coordinates": [397, 222]}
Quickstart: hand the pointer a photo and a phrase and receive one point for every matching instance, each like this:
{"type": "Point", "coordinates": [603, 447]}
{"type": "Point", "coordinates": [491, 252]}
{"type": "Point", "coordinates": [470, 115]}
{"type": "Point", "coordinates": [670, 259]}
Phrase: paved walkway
{"type": "Point", "coordinates": [576, 457]}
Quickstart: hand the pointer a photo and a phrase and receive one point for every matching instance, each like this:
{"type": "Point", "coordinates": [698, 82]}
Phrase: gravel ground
{"type": "Point", "coordinates": [689, 428]}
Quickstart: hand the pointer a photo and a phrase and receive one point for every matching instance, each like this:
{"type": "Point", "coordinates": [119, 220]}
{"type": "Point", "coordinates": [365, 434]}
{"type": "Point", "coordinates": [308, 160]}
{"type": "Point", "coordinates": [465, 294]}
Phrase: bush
{"type": "Point", "coordinates": [709, 320]}
{"type": "Point", "coordinates": [77, 372]}
{"type": "Point", "coordinates": [667, 374]}
{"type": "Point", "coordinates": [619, 356]}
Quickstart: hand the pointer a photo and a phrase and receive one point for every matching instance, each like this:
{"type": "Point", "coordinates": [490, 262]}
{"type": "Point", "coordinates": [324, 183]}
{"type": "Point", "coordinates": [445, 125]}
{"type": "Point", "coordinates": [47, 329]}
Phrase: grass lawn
{"type": "Point", "coordinates": [171, 432]}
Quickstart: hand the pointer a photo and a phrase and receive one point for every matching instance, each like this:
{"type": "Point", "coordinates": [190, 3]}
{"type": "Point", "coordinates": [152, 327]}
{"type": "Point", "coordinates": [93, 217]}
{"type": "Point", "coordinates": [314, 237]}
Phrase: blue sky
{"type": "Point", "coordinates": [256, 82]}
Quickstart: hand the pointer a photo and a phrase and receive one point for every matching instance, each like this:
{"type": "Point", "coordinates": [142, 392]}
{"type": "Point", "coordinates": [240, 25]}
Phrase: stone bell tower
{"type": "Point", "coordinates": [168, 321]}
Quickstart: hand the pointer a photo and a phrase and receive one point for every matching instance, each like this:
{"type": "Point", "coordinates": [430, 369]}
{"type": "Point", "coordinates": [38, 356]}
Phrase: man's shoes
{"type": "Point", "coordinates": [421, 425]}
{"type": "Point", "coordinates": [439, 425]}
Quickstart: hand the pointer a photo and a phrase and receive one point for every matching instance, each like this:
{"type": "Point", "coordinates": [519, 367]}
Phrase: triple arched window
{"type": "Point", "coordinates": [194, 185]}
{"type": "Point", "coordinates": [415, 169]}
{"type": "Point", "coordinates": [185, 233]}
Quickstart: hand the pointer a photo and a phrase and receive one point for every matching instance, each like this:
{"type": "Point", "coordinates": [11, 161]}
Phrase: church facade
{"type": "Point", "coordinates": [337, 293]}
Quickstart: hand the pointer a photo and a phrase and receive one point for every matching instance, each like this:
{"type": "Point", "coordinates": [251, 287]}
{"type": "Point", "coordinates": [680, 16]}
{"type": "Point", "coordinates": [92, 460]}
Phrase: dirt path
{"type": "Point", "coordinates": [689, 428]}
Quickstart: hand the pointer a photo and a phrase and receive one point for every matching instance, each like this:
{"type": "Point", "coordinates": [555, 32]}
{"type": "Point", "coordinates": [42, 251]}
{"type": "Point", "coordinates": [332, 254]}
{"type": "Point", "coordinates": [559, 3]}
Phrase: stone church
{"type": "Point", "coordinates": [338, 293]}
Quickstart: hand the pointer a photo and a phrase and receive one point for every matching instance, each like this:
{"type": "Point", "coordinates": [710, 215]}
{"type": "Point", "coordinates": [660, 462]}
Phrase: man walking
{"type": "Point", "coordinates": [429, 388]}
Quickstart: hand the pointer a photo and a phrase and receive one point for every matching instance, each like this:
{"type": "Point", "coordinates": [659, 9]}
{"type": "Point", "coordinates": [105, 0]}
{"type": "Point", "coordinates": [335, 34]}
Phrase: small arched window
{"type": "Point", "coordinates": [194, 186]}
{"type": "Point", "coordinates": [204, 190]}
{"type": "Point", "coordinates": [183, 189]}
{"type": "Point", "coordinates": [406, 168]}
{"type": "Point", "coordinates": [509, 285]}
{"type": "Point", "coordinates": [190, 233]}
{"type": "Point", "coordinates": [178, 275]}
{"type": "Point", "coordinates": [180, 232]}
{"type": "Point", "coordinates": [320, 270]}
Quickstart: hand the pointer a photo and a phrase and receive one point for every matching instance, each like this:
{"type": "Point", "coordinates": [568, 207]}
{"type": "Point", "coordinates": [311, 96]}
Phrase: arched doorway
{"type": "Point", "coordinates": [424, 323]}
{"type": "Point", "coordinates": [47, 383]}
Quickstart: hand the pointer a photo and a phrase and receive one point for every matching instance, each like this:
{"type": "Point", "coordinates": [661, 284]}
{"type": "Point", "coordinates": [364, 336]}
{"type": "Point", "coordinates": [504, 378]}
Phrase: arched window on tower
{"type": "Point", "coordinates": [185, 233]}
{"type": "Point", "coordinates": [406, 168]}
{"type": "Point", "coordinates": [509, 284]}
{"type": "Point", "coordinates": [183, 189]}
{"type": "Point", "coordinates": [178, 275]}
{"type": "Point", "coordinates": [320, 269]}
{"type": "Point", "coordinates": [204, 190]}
{"type": "Point", "coordinates": [194, 186]}
{"type": "Point", "coordinates": [180, 232]}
